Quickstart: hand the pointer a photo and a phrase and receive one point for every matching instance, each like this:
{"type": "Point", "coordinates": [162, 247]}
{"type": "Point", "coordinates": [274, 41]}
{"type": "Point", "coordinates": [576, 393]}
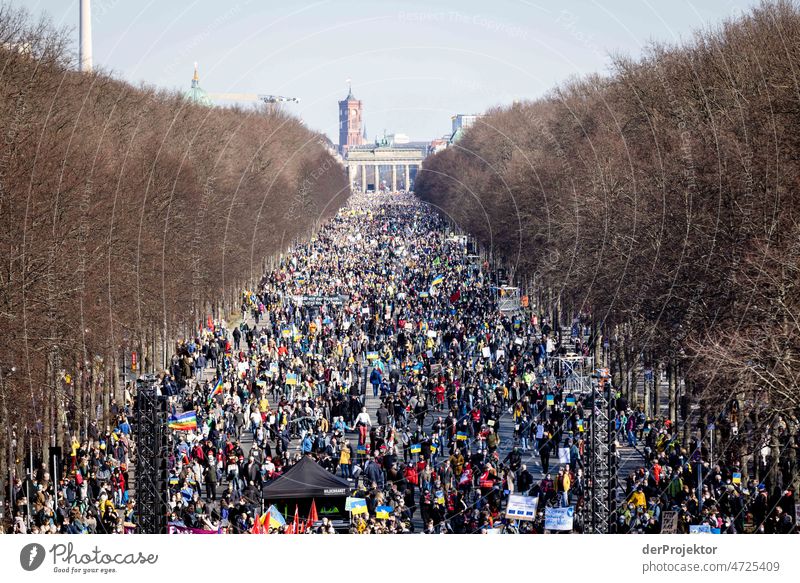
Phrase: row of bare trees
{"type": "Point", "coordinates": [661, 201]}
{"type": "Point", "coordinates": [129, 216]}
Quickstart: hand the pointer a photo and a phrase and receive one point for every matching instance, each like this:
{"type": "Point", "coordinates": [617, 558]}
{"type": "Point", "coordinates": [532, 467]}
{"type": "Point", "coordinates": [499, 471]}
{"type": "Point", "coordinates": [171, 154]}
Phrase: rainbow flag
{"type": "Point", "coordinates": [217, 390]}
{"type": "Point", "coordinates": [438, 280]}
{"type": "Point", "coordinates": [184, 422]}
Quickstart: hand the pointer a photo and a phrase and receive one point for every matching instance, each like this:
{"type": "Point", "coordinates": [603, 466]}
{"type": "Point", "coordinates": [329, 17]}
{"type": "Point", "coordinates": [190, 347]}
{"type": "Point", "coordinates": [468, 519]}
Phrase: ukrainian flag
{"type": "Point", "coordinates": [438, 280]}
{"type": "Point", "coordinates": [383, 511]}
{"type": "Point", "coordinates": [276, 519]}
{"type": "Point", "coordinates": [416, 448]}
{"type": "Point", "coordinates": [291, 379]}
{"type": "Point", "coordinates": [356, 505]}
{"type": "Point", "coordinates": [461, 436]}
{"type": "Point", "coordinates": [184, 422]}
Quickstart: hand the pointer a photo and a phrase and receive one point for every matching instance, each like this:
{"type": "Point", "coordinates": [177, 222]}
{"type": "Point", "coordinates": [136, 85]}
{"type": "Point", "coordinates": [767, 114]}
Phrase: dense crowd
{"type": "Point", "coordinates": [378, 349]}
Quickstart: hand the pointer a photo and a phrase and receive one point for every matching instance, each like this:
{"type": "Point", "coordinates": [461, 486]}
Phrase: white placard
{"type": "Point", "coordinates": [486, 352]}
{"type": "Point", "coordinates": [559, 518]}
{"type": "Point", "coordinates": [521, 507]}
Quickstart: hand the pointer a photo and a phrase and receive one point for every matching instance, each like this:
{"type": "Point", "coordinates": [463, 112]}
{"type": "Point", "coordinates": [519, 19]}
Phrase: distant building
{"type": "Point", "coordinates": [438, 145]}
{"type": "Point", "coordinates": [351, 131]}
{"type": "Point", "coordinates": [398, 139]}
{"type": "Point", "coordinates": [461, 121]}
{"type": "Point", "coordinates": [197, 94]}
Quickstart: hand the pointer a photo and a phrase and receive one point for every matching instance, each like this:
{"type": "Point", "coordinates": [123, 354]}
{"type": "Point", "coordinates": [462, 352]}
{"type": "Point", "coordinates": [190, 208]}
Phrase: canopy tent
{"type": "Point", "coordinates": [306, 479]}
{"type": "Point", "coordinates": [305, 482]}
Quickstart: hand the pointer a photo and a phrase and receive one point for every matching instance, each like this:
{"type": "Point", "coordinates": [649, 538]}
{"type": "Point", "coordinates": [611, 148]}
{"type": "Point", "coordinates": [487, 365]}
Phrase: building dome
{"type": "Point", "coordinates": [197, 94]}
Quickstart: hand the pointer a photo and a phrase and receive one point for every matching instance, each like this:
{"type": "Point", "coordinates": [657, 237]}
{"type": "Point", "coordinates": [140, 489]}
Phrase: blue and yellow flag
{"type": "Point", "coordinates": [276, 519]}
{"type": "Point", "coordinates": [383, 511]}
{"type": "Point", "coordinates": [356, 505]}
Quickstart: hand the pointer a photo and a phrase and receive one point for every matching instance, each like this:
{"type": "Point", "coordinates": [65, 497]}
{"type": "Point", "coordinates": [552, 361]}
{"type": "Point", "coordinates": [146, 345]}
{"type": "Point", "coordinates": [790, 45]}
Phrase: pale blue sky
{"type": "Point", "coordinates": [413, 63]}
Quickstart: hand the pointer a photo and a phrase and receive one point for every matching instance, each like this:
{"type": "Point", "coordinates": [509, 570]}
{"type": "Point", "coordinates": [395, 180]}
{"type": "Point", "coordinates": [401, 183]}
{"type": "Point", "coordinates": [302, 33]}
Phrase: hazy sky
{"type": "Point", "coordinates": [413, 63]}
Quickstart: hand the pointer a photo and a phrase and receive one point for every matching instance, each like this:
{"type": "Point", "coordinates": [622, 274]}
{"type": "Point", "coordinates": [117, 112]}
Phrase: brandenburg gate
{"type": "Point", "coordinates": [396, 165]}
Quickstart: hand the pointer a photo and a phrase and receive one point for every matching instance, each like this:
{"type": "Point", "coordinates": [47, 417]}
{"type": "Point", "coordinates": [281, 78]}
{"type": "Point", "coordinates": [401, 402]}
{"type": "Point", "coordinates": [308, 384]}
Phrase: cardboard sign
{"type": "Point", "coordinates": [669, 522]}
{"type": "Point", "coordinates": [521, 507]}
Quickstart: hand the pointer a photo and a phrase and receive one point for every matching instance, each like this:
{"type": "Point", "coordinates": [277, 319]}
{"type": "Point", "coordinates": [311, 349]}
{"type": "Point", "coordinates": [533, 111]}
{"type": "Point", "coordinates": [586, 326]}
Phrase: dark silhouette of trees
{"type": "Point", "coordinates": [129, 215]}
{"type": "Point", "coordinates": [661, 201]}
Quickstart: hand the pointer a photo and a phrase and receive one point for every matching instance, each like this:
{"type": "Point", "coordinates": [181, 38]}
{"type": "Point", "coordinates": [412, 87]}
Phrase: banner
{"type": "Point", "coordinates": [174, 528]}
{"type": "Point", "coordinates": [318, 301]}
{"type": "Point", "coordinates": [559, 518]}
{"type": "Point", "coordinates": [522, 507]}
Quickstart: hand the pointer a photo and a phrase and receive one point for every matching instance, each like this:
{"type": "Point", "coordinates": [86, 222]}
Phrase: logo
{"type": "Point", "coordinates": [31, 556]}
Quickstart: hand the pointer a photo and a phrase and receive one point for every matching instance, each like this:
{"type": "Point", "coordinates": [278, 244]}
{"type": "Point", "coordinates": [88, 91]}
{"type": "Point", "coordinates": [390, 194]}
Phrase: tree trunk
{"type": "Point", "coordinates": [656, 406]}
{"type": "Point", "coordinates": [673, 387]}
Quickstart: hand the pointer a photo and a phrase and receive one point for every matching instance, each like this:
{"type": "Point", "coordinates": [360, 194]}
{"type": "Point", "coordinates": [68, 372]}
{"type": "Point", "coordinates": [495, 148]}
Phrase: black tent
{"type": "Point", "coordinates": [305, 481]}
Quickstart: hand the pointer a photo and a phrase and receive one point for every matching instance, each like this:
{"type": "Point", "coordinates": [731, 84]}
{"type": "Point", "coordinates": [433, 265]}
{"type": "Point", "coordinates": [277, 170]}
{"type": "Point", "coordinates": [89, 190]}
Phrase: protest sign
{"type": "Point", "coordinates": [669, 522]}
{"type": "Point", "coordinates": [559, 518]}
{"type": "Point", "coordinates": [522, 507]}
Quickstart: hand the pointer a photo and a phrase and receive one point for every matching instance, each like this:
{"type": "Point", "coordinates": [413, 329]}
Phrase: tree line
{"type": "Point", "coordinates": [661, 202]}
{"type": "Point", "coordinates": [130, 215]}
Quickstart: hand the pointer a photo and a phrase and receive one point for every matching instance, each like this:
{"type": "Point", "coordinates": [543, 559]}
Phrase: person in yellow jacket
{"type": "Point", "coordinates": [562, 486]}
{"type": "Point", "coordinates": [638, 498]}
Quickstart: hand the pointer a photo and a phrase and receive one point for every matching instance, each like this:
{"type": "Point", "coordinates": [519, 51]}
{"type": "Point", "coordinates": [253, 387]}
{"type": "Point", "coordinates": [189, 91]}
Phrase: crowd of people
{"type": "Point", "coordinates": [378, 348]}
